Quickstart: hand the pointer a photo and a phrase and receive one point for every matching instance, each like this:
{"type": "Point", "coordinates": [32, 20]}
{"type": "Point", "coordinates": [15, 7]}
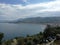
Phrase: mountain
{"type": "Point", "coordinates": [10, 21]}
{"type": "Point", "coordinates": [41, 20]}
{"type": "Point", "coordinates": [35, 20]}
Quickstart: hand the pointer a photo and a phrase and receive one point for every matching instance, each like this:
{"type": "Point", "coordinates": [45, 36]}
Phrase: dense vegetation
{"type": "Point", "coordinates": [1, 37]}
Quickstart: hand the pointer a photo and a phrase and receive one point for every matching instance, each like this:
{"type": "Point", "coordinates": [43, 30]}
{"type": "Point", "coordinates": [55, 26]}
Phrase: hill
{"type": "Point", "coordinates": [35, 20]}
{"type": "Point", "coordinates": [41, 20]}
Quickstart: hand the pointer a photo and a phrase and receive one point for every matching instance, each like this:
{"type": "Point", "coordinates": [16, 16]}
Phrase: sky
{"type": "Point", "coordinates": [15, 9]}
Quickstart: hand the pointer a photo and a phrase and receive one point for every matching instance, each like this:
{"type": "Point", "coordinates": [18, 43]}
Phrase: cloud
{"type": "Point", "coordinates": [9, 11]}
{"type": "Point", "coordinates": [25, 0]}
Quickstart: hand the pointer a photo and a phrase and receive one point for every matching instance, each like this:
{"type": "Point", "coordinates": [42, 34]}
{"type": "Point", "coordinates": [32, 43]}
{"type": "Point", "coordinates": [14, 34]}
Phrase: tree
{"type": "Point", "coordinates": [29, 43]}
{"type": "Point", "coordinates": [1, 37]}
{"type": "Point", "coordinates": [28, 35]}
{"type": "Point", "coordinates": [20, 41]}
{"type": "Point", "coordinates": [49, 31]}
{"type": "Point", "coordinates": [41, 33]}
{"type": "Point", "coordinates": [35, 40]}
{"type": "Point", "coordinates": [46, 32]}
{"type": "Point", "coordinates": [8, 42]}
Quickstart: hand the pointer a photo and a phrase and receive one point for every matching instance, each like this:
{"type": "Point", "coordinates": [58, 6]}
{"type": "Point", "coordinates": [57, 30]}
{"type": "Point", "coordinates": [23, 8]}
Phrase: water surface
{"type": "Point", "coordinates": [11, 30]}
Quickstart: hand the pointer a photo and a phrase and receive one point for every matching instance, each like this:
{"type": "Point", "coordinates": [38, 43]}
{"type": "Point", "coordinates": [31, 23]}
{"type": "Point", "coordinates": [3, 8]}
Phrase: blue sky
{"type": "Point", "coordinates": [22, 1]}
{"type": "Point", "coordinates": [15, 9]}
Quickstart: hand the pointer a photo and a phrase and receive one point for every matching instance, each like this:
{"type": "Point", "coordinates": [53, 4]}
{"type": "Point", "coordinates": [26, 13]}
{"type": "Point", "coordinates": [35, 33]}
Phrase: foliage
{"type": "Point", "coordinates": [50, 31]}
{"type": "Point", "coordinates": [20, 41]}
{"type": "Point", "coordinates": [8, 42]}
{"type": "Point", "coordinates": [1, 37]}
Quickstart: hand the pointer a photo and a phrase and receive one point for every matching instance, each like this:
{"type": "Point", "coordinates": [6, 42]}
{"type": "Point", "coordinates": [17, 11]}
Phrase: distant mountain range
{"type": "Point", "coordinates": [40, 20]}
{"type": "Point", "coordinates": [37, 20]}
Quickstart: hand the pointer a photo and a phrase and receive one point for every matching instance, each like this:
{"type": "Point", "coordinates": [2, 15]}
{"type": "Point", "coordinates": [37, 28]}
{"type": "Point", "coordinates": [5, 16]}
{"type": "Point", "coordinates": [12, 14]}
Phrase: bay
{"type": "Point", "coordinates": [12, 30]}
